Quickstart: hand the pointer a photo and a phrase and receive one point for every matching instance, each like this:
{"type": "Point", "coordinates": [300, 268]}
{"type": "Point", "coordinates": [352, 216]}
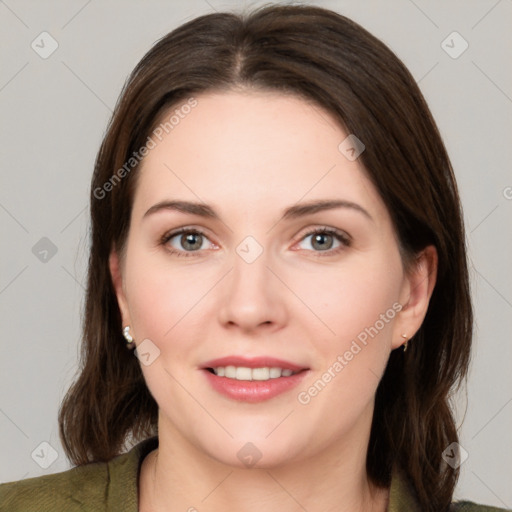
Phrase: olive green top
{"type": "Point", "coordinates": [113, 486]}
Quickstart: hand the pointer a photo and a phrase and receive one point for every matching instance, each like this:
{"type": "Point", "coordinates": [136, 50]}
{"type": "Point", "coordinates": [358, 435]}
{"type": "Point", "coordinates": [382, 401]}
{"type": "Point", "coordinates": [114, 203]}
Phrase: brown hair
{"type": "Point", "coordinates": [330, 60]}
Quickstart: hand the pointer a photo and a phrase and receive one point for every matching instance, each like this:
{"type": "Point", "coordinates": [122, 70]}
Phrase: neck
{"type": "Point", "coordinates": [179, 477]}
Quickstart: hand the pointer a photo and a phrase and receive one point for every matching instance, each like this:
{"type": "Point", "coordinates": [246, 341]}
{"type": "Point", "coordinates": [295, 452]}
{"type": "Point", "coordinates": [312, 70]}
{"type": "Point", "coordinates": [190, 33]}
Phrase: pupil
{"type": "Point", "coordinates": [189, 241]}
{"type": "Point", "coordinates": [321, 239]}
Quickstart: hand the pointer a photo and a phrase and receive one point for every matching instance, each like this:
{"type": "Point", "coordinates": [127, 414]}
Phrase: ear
{"type": "Point", "coordinates": [117, 280]}
{"type": "Point", "coordinates": [415, 295]}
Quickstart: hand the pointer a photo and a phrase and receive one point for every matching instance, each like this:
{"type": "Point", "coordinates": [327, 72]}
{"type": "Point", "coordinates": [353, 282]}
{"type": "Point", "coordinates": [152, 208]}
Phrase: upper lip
{"type": "Point", "coordinates": [253, 362]}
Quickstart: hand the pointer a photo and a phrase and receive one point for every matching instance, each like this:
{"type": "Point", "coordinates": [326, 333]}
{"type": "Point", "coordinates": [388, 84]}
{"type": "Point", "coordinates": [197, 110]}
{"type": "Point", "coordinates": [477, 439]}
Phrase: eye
{"type": "Point", "coordinates": [325, 240]}
{"type": "Point", "coordinates": [185, 241]}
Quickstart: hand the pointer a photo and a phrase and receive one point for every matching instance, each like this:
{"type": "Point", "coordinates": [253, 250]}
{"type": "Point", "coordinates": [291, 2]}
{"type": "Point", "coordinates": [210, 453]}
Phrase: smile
{"type": "Point", "coordinates": [253, 379]}
{"type": "Point", "coordinates": [245, 373]}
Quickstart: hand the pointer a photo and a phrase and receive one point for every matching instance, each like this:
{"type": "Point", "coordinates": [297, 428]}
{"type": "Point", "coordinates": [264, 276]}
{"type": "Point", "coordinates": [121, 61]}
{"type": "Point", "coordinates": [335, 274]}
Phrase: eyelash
{"type": "Point", "coordinates": [338, 235]}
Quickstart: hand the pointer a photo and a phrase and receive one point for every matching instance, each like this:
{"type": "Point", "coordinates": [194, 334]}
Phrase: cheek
{"type": "Point", "coordinates": [165, 304]}
{"type": "Point", "coordinates": [162, 297]}
{"type": "Point", "coordinates": [357, 303]}
{"type": "Point", "coordinates": [353, 297]}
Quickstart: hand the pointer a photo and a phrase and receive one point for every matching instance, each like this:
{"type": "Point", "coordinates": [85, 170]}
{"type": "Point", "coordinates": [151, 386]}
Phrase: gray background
{"type": "Point", "coordinates": [54, 112]}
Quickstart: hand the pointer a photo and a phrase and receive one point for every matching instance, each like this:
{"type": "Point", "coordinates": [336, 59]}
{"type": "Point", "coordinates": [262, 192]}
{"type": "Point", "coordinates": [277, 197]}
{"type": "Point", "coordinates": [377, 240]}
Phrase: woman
{"type": "Point", "coordinates": [276, 231]}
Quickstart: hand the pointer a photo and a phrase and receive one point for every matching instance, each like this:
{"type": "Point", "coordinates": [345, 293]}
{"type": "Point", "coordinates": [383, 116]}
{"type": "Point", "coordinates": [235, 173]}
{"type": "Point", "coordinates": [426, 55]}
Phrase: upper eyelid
{"type": "Point", "coordinates": [168, 235]}
{"type": "Point", "coordinates": [327, 229]}
{"type": "Point", "coordinates": [309, 232]}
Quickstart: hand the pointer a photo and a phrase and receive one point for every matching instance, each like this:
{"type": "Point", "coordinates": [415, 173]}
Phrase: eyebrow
{"type": "Point", "coordinates": [292, 212]}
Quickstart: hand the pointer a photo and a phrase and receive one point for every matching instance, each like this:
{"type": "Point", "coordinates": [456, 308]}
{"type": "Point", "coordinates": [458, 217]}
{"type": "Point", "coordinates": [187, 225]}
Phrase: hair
{"type": "Point", "coordinates": [327, 59]}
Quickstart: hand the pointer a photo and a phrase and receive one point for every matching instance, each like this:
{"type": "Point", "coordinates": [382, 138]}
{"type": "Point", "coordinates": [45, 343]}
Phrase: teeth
{"type": "Point", "coordinates": [260, 374]}
{"type": "Point", "coordinates": [244, 373]}
{"type": "Point", "coordinates": [230, 372]}
{"type": "Point", "coordinates": [275, 373]}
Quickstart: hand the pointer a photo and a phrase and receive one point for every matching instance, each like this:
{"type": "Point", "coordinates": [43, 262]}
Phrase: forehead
{"type": "Point", "coordinates": [256, 149]}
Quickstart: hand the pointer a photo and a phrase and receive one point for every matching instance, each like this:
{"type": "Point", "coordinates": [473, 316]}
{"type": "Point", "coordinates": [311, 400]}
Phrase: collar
{"type": "Point", "coordinates": [401, 495]}
{"type": "Point", "coordinates": [124, 472]}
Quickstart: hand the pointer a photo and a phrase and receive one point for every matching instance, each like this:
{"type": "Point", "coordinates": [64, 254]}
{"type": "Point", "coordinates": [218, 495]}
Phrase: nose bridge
{"type": "Point", "coordinates": [250, 250]}
{"type": "Point", "coordinates": [251, 298]}
{"type": "Point", "coordinates": [250, 273]}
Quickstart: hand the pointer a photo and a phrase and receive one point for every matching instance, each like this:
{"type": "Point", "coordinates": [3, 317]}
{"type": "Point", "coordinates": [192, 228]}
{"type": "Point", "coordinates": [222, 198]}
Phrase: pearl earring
{"type": "Point", "coordinates": [128, 336]}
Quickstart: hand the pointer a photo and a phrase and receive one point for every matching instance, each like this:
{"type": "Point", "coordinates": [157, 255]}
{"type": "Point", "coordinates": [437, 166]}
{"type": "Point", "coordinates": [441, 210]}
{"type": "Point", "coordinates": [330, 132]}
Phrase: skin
{"type": "Point", "coordinates": [250, 155]}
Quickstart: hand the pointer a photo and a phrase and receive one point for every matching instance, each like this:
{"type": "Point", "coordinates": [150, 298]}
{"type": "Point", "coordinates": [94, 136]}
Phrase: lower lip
{"type": "Point", "coordinates": [253, 390]}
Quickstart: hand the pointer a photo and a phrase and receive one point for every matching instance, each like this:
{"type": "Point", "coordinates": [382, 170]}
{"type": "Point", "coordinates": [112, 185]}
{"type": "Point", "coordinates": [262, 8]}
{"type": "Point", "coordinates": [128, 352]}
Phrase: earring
{"type": "Point", "coordinates": [128, 336]}
{"type": "Point", "coordinates": [407, 341]}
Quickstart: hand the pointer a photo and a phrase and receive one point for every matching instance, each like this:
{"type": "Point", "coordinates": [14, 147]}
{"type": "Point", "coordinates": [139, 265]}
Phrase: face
{"type": "Point", "coordinates": [259, 278]}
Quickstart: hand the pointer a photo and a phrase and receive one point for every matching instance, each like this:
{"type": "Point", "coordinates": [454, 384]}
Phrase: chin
{"type": "Point", "coordinates": [255, 452]}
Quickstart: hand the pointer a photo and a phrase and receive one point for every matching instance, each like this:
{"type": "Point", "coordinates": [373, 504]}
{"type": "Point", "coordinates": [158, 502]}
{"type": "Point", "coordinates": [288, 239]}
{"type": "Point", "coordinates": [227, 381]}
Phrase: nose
{"type": "Point", "coordinates": [252, 297]}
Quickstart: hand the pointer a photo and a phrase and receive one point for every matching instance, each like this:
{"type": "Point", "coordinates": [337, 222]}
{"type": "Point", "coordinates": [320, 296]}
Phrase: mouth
{"type": "Point", "coordinates": [252, 379]}
{"type": "Point", "coordinates": [246, 373]}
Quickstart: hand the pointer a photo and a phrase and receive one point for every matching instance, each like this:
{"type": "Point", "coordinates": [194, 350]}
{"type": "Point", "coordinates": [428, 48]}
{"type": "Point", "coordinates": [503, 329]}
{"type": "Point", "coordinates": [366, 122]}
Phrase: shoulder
{"type": "Point", "coordinates": [468, 506]}
{"type": "Point", "coordinates": [403, 498]}
{"type": "Point", "coordinates": [91, 487]}
{"type": "Point", "coordinates": [51, 492]}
